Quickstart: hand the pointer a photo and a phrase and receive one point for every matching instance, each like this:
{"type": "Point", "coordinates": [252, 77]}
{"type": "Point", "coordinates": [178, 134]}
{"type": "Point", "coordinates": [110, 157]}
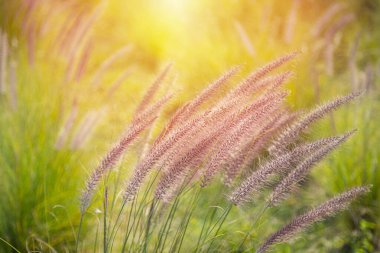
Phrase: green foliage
{"type": "Point", "coordinates": [37, 179]}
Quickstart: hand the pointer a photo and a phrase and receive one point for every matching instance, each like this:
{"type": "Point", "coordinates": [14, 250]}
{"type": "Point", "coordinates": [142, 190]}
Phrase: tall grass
{"type": "Point", "coordinates": [154, 209]}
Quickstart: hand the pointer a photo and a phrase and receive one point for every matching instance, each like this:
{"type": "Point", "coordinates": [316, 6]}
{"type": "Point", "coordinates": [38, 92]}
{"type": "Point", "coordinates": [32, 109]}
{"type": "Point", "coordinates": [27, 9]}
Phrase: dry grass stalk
{"type": "Point", "coordinates": [3, 61]}
{"type": "Point", "coordinates": [13, 84]}
{"type": "Point", "coordinates": [67, 126]}
{"type": "Point", "coordinates": [110, 160]}
{"type": "Point", "coordinates": [138, 125]}
{"type": "Point", "coordinates": [326, 17]}
{"type": "Point", "coordinates": [301, 222]}
{"type": "Point", "coordinates": [105, 65]}
{"type": "Point", "coordinates": [86, 128]}
{"type": "Point", "coordinates": [152, 90]}
{"type": "Point", "coordinates": [280, 165]}
{"type": "Point", "coordinates": [245, 38]}
{"type": "Point", "coordinates": [299, 173]}
{"type": "Point", "coordinates": [291, 134]}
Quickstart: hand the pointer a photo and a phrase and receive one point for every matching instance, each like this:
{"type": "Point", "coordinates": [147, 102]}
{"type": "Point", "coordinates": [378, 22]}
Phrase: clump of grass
{"type": "Point", "coordinates": [197, 145]}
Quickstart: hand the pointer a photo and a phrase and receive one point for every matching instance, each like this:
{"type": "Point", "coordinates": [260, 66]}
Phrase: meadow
{"type": "Point", "coordinates": [189, 126]}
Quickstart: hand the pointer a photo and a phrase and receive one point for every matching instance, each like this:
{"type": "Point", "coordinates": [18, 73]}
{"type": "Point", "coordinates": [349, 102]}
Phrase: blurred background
{"type": "Point", "coordinates": [72, 73]}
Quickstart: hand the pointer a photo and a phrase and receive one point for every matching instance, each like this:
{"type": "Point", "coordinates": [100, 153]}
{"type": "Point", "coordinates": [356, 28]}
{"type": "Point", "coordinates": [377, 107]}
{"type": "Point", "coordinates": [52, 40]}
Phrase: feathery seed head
{"type": "Point", "coordinates": [191, 107]}
{"type": "Point", "coordinates": [300, 172]}
{"type": "Point", "coordinates": [327, 209]}
{"type": "Point", "coordinates": [155, 153]}
{"type": "Point", "coordinates": [291, 133]}
{"type": "Point", "coordinates": [170, 178]}
{"type": "Point", "coordinates": [279, 165]}
{"type": "Point", "coordinates": [244, 127]}
{"type": "Point", "coordinates": [152, 90]}
{"type": "Point", "coordinates": [111, 158]}
{"type": "Point", "coordinates": [261, 72]}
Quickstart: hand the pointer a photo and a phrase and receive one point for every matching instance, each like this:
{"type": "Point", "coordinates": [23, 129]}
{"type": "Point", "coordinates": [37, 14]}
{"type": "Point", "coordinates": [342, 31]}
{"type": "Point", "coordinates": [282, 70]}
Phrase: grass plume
{"type": "Point", "coordinates": [327, 209]}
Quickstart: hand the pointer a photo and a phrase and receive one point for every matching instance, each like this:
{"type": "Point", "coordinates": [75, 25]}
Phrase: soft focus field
{"type": "Point", "coordinates": [73, 72]}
